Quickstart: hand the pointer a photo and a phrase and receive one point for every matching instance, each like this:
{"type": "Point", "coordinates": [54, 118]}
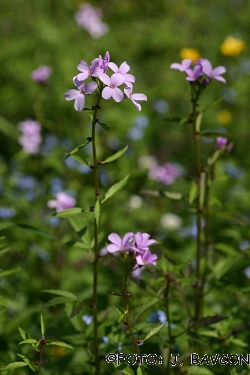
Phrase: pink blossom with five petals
{"type": "Point", "coordinates": [123, 70]}
{"type": "Point", "coordinates": [112, 90]}
{"type": "Point", "coordinates": [134, 97]}
{"type": "Point", "coordinates": [79, 95]}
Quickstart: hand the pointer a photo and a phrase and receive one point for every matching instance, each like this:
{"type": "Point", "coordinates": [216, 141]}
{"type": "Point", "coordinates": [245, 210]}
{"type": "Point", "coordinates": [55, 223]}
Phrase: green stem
{"type": "Point", "coordinates": [40, 360]}
{"type": "Point", "coordinates": [96, 251]}
{"type": "Point", "coordinates": [169, 325]}
{"type": "Point", "coordinates": [196, 136]}
{"type": "Point", "coordinates": [128, 315]}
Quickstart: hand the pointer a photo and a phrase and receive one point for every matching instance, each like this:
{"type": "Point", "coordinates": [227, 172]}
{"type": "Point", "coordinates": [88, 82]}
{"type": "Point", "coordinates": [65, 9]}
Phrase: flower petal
{"type": "Point", "coordinates": [206, 67]}
{"type": "Point", "coordinates": [105, 79]}
{"type": "Point", "coordinates": [112, 248]}
{"type": "Point", "coordinates": [128, 91]}
{"type": "Point", "coordinates": [219, 70]}
{"type": "Point", "coordinates": [124, 68]}
{"type": "Point", "coordinates": [117, 95]}
{"type": "Point", "coordinates": [90, 87]}
{"type": "Point", "coordinates": [107, 92]}
{"type": "Point", "coordinates": [113, 237]}
{"type": "Point", "coordinates": [138, 106]}
{"type": "Point", "coordinates": [219, 78]}
{"type": "Point", "coordinates": [83, 66]}
{"type": "Point", "coordinates": [79, 102]}
{"type": "Point", "coordinates": [117, 79]}
{"type": "Point", "coordinates": [129, 78]}
{"type": "Point", "coordinates": [139, 97]}
{"type": "Point", "coordinates": [128, 236]}
{"type": "Point", "coordinates": [71, 94]}
{"type": "Point", "coordinates": [113, 67]}
{"type": "Point", "coordinates": [82, 76]}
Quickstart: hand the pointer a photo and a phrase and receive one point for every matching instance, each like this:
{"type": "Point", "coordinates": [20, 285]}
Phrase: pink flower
{"type": "Point", "coordinates": [31, 138]}
{"type": "Point", "coordinates": [185, 64]}
{"type": "Point", "coordinates": [123, 70]}
{"type": "Point", "coordinates": [112, 90]}
{"type": "Point", "coordinates": [93, 70]}
{"type": "Point", "coordinates": [89, 18]}
{"type": "Point", "coordinates": [118, 243]}
{"type": "Point", "coordinates": [62, 202]}
{"type": "Point", "coordinates": [221, 142]}
{"type": "Point", "coordinates": [41, 74]}
{"type": "Point", "coordinates": [146, 258]}
{"type": "Point", "coordinates": [142, 242]}
{"type": "Point", "coordinates": [134, 97]}
{"type": "Point", "coordinates": [79, 95]}
{"type": "Point", "coordinates": [213, 73]}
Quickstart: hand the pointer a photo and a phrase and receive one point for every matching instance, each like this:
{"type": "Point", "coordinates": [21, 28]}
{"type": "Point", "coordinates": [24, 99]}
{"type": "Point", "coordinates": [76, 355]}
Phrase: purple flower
{"type": "Point", "coordinates": [93, 70]}
{"type": "Point", "coordinates": [112, 90]}
{"type": "Point", "coordinates": [104, 62]}
{"type": "Point", "coordinates": [123, 70]}
{"type": "Point", "coordinates": [62, 202]}
{"type": "Point", "coordinates": [146, 258]}
{"type": "Point", "coordinates": [41, 74]}
{"type": "Point", "coordinates": [221, 142]}
{"type": "Point", "coordinates": [185, 64]}
{"type": "Point", "coordinates": [89, 18]}
{"type": "Point", "coordinates": [134, 97]}
{"type": "Point", "coordinates": [79, 95]}
{"type": "Point", "coordinates": [230, 147]}
{"type": "Point", "coordinates": [118, 243]}
{"type": "Point", "coordinates": [213, 73]}
{"type": "Point", "coordinates": [166, 173]}
{"type": "Point", "coordinates": [142, 242]}
{"type": "Point", "coordinates": [193, 75]}
{"type": "Point", "coordinates": [31, 138]}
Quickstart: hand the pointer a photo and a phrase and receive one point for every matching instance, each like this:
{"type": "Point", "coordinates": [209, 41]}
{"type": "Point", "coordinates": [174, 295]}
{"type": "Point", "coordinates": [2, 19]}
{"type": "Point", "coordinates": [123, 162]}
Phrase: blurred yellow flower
{"type": "Point", "coordinates": [190, 53]}
{"type": "Point", "coordinates": [232, 46]}
{"type": "Point", "coordinates": [224, 117]}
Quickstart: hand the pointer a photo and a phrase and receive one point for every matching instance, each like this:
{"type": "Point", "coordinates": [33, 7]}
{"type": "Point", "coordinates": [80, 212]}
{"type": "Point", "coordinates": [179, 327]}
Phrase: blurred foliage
{"type": "Point", "coordinates": [149, 36]}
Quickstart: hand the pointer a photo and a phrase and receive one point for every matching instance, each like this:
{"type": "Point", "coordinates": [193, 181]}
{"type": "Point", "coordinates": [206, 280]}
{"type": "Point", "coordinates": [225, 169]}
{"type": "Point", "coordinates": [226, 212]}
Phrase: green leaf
{"type": "Point", "coordinates": [69, 212]}
{"type": "Point", "coordinates": [140, 371]}
{"type": "Point", "coordinates": [81, 160]}
{"type": "Point", "coordinates": [2, 301]}
{"type": "Point", "coordinates": [199, 370]}
{"type": "Point", "coordinates": [104, 126]}
{"type": "Point", "coordinates": [79, 226]}
{"type": "Point", "coordinates": [214, 102]}
{"type": "Point", "coordinates": [120, 312]}
{"type": "Point", "coordinates": [9, 272]}
{"type": "Point", "coordinates": [22, 333]}
{"type": "Point", "coordinates": [28, 341]}
{"type": "Point", "coordinates": [163, 193]}
{"type": "Point", "coordinates": [239, 343]}
{"type": "Point", "coordinates": [27, 227]}
{"type": "Point", "coordinates": [154, 331]}
{"type": "Point", "coordinates": [198, 122]}
{"type": "Point", "coordinates": [202, 189]}
{"type": "Point", "coordinates": [42, 326]}
{"type": "Point", "coordinates": [147, 306]}
{"type": "Point", "coordinates": [13, 365]}
{"type": "Point", "coordinates": [115, 156]}
{"type": "Point", "coordinates": [98, 212]}
{"type": "Point", "coordinates": [59, 343]}
{"type": "Point", "coordinates": [115, 188]}
{"type": "Point", "coordinates": [127, 370]}
{"type": "Point", "coordinates": [225, 248]}
{"type": "Point", "coordinates": [113, 293]}
{"type": "Point", "coordinates": [194, 192]}
{"type": "Point", "coordinates": [63, 293]}
{"type": "Point", "coordinates": [203, 322]}
{"type": "Point", "coordinates": [56, 301]}
{"type": "Point", "coordinates": [180, 120]}
{"type": "Point", "coordinates": [77, 149]}
{"type": "Point", "coordinates": [208, 134]}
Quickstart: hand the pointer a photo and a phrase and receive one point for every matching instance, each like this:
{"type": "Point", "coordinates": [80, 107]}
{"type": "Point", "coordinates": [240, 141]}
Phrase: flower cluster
{"type": "Point", "coordinates": [201, 67]}
{"type": "Point", "coordinates": [166, 173]}
{"type": "Point", "coordinates": [137, 245]}
{"type": "Point", "coordinates": [222, 142]}
{"type": "Point", "coordinates": [89, 18]}
{"type": "Point", "coordinates": [41, 74]}
{"type": "Point", "coordinates": [31, 138]}
{"type": "Point", "coordinates": [62, 202]}
{"type": "Point", "coordinates": [107, 86]}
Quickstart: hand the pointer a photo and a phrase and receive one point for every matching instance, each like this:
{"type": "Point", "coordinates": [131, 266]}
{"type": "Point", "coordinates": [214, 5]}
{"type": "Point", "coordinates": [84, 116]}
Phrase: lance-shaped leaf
{"type": "Point", "coordinates": [59, 343]}
{"type": "Point", "coordinates": [179, 120]}
{"type": "Point", "coordinates": [154, 331]}
{"type": "Point", "coordinates": [75, 150]}
{"type": "Point", "coordinates": [140, 371]}
{"type": "Point", "coordinates": [80, 160]}
{"type": "Point", "coordinates": [28, 341]}
{"type": "Point", "coordinates": [42, 326]}
{"type": "Point", "coordinates": [13, 365]}
{"type": "Point", "coordinates": [8, 272]}
{"type": "Point", "coordinates": [98, 212]}
{"type": "Point", "coordinates": [115, 156]}
{"type": "Point", "coordinates": [23, 333]}
{"type": "Point", "coordinates": [69, 212]}
{"type": "Point", "coordinates": [164, 193]}
{"type": "Point", "coordinates": [104, 126]}
{"type": "Point", "coordinates": [115, 188]}
{"type": "Point", "coordinates": [198, 122]}
{"type": "Point", "coordinates": [214, 102]}
{"type": "Point", "coordinates": [208, 134]}
{"type": "Point", "coordinates": [147, 306]}
{"type": "Point", "coordinates": [202, 190]}
{"type": "Point", "coordinates": [63, 293]}
{"type": "Point", "coordinates": [127, 370]}
{"type": "Point", "coordinates": [56, 301]}
{"type": "Point", "coordinates": [27, 227]}
{"type": "Point", "coordinates": [2, 301]}
{"type": "Point", "coordinates": [194, 192]}
{"type": "Point", "coordinates": [207, 321]}
{"type": "Point", "coordinates": [120, 312]}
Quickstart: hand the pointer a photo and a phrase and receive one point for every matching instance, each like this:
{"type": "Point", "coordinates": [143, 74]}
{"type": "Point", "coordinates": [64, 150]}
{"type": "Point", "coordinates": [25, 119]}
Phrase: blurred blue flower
{"type": "Point", "coordinates": [57, 184]}
{"type": "Point", "coordinates": [244, 245]}
{"type": "Point", "coordinates": [230, 95]}
{"type": "Point", "coordinates": [157, 316]}
{"type": "Point", "coordinates": [141, 121]}
{"type": "Point", "coordinates": [247, 272]}
{"type": "Point", "coordinates": [7, 212]}
{"type": "Point", "coordinates": [105, 339]}
{"type": "Point", "coordinates": [87, 319]}
{"type": "Point", "coordinates": [161, 106]}
{"type": "Point", "coordinates": [50, 142]}
{"type": "Point", "coordinates": [233, 170]}
{"type": "Point", "coordinates": [135, 134]}
{"type": "Point", "coordinates": [54, 221]}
